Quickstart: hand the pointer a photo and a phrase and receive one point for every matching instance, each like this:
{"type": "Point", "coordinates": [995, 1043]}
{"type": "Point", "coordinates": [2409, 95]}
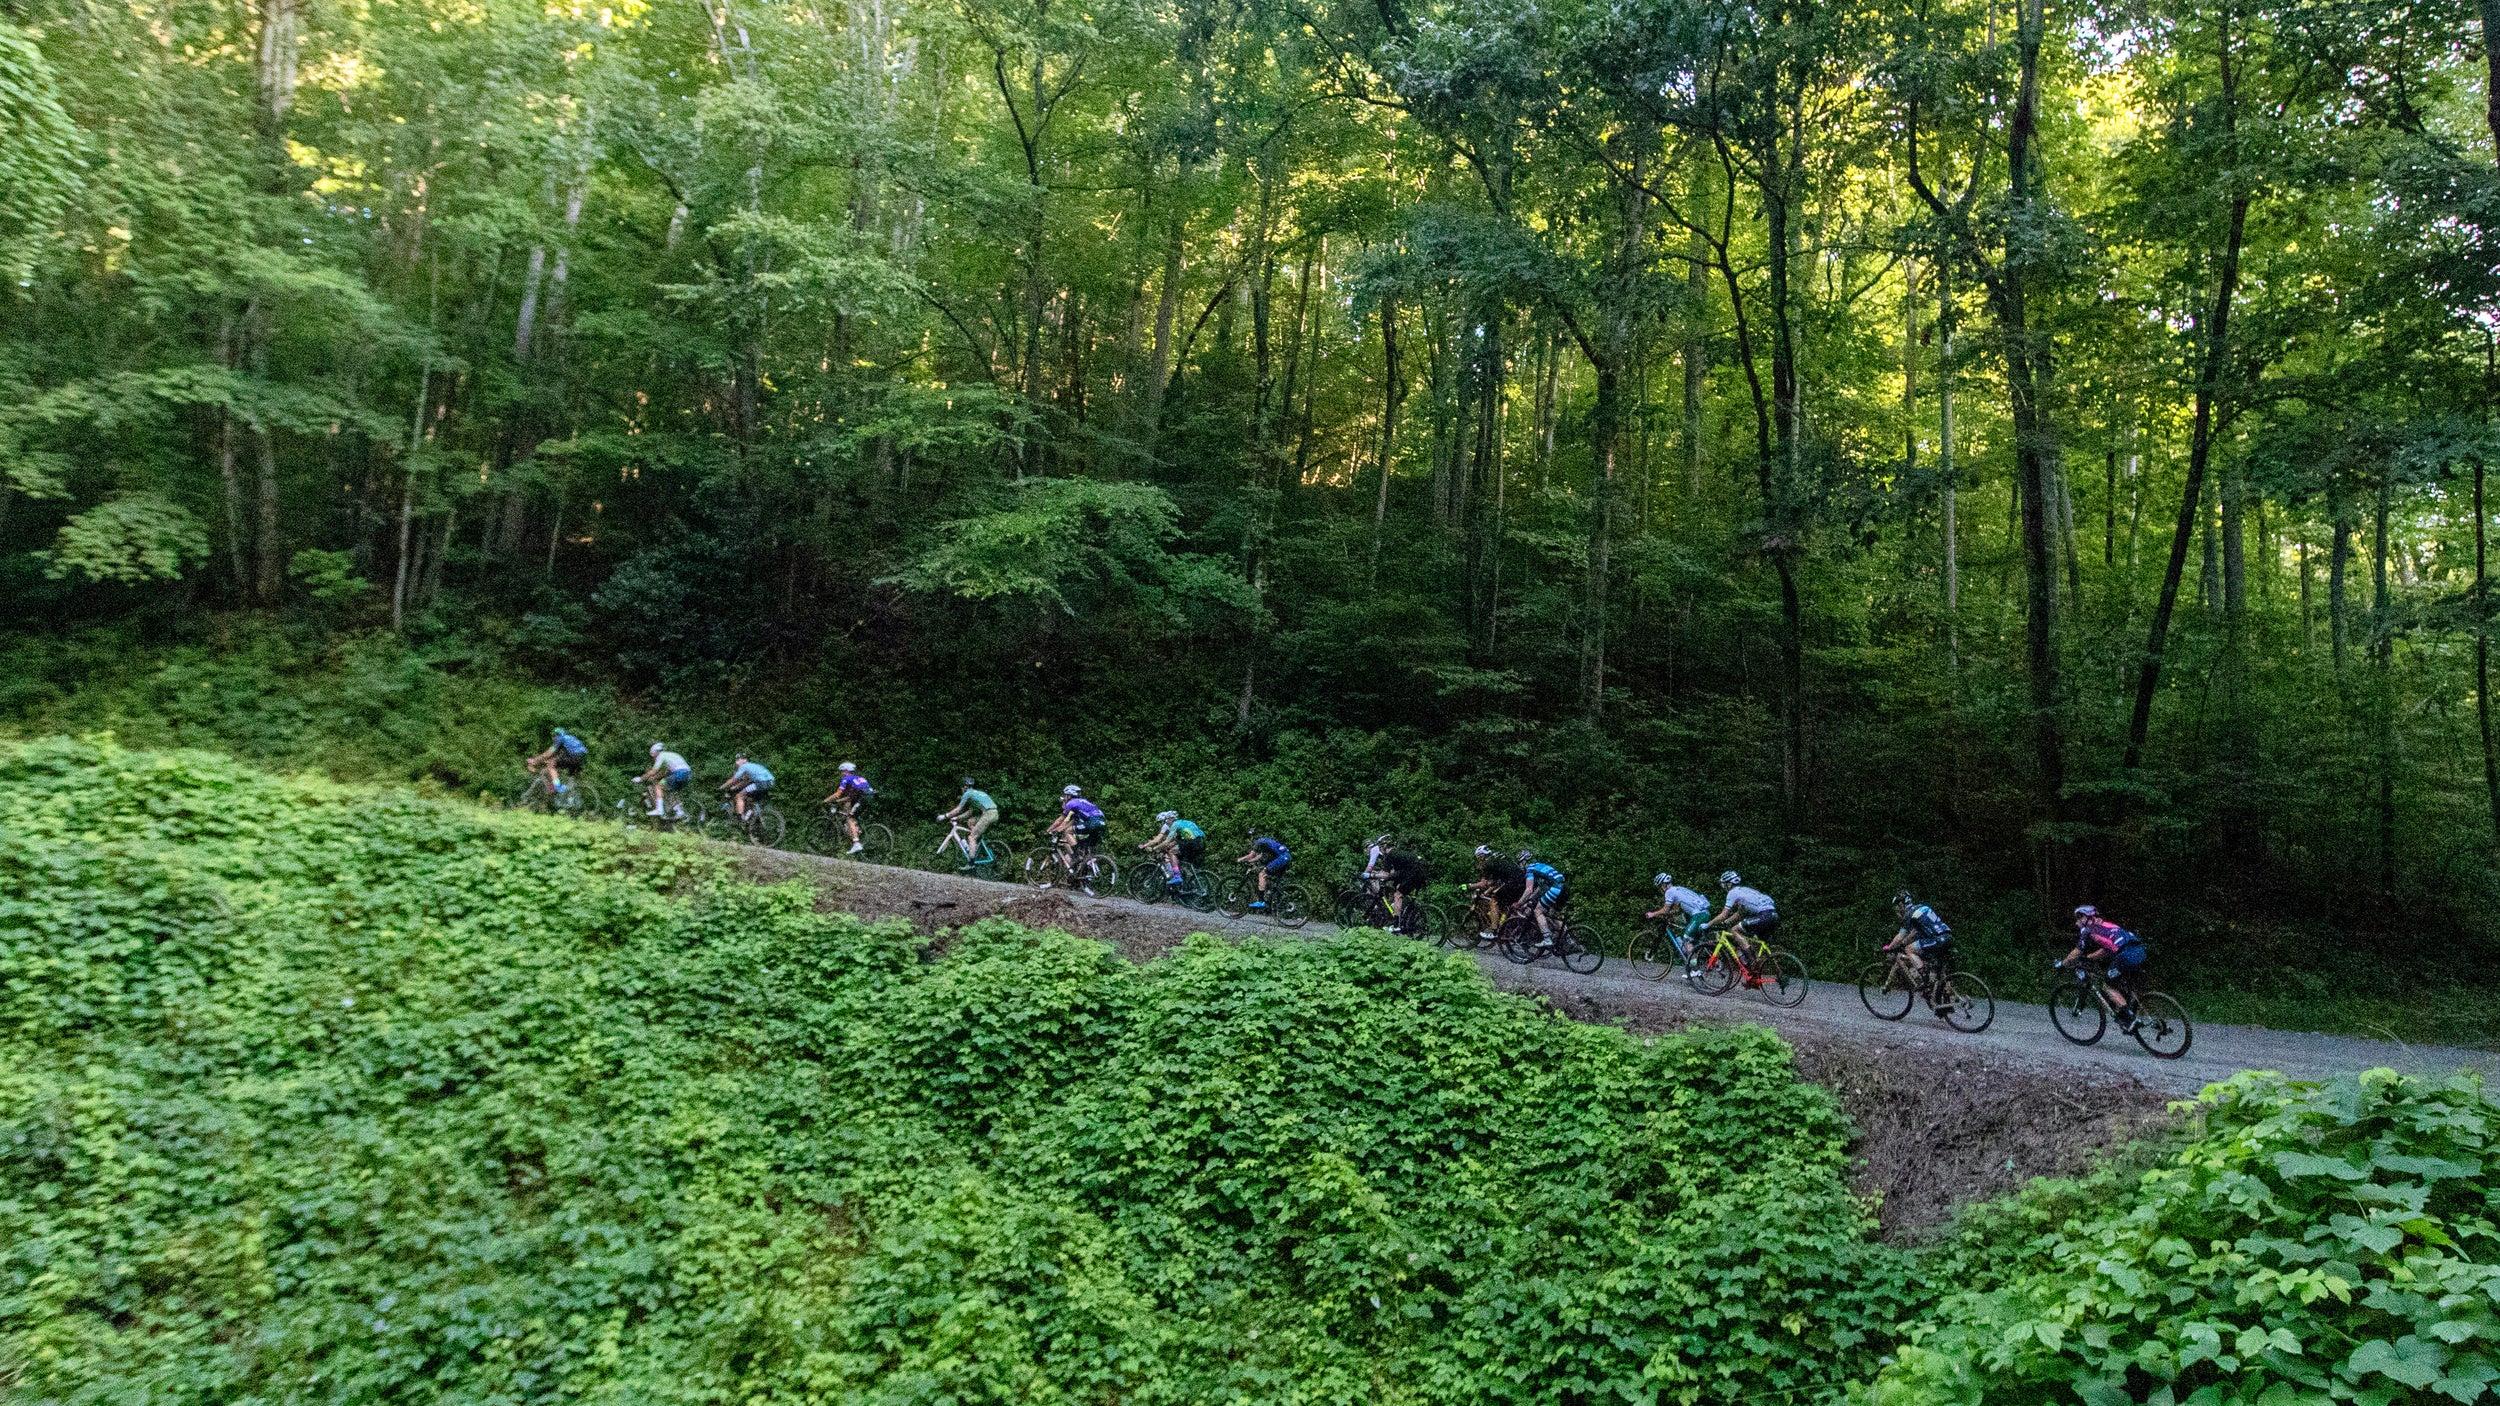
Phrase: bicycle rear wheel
{"type": "Point", "coordinates": [1885, 989]}
{"type": "Point", "coordinates": [1289, 905]}
{"type": "Point", "coordinates": [1784, 979]}
{"type": "Point", "coordinates": [1098, 874]}
{"type": "Point", "coordinates": [1236, 897]}
{"type": "Point", "coordinates": [990, 861]}
{"type": "Point", "coordinates": [1968, 1004]}
{"type": "Point", "coordinates": [2077, 1012]}
{"type": "Point", "coordinates": [2161, 1026]}
{"type": "Point", "coordinates": [1583, 948]}
{"type": "Point", "coordinates": [876, 843]}
{"type": "Point", "coordinates": [579, 800]}
{"type": "Point", "coordinates": [1517, 939]}
{"type": "Point", "coordinates": [1715, 973]}
{"type": "Point", "coordinates": [765, 826]}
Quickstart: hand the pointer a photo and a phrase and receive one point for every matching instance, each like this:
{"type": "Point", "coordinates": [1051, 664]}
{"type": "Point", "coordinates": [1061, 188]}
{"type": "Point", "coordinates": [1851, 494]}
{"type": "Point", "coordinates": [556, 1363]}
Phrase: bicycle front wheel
{"type": "Point", "coordinates": [2077, 1012]}
{"type": "Point", "coordinates": [766, 827]}
{"type": "Point", "coordinates": [1518, 940]}
{"type": "Point", "coordinates": [1885, 989]}
{"type": "Point", "coordinates": [1968, 1004]}
{"type": "Point", "coordinates": [1784, 979]}
{"type": "Point", "coordinates": [1039, 871]}
{"type": "Point", "coordinates": [2161, 1026]}
{"type": "Point", "coordinates": [1290, 905]}
{"type": "Point", "coordinates": [1583, 949]}
{"type": "Point", "coordinates": [1237, 896]}
{"type": "Point", "coordinates": [1652, 956]}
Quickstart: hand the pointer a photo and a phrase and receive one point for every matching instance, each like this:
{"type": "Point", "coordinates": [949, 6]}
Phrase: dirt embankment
{"type": "Point", "coordinates": [1940, 1124]}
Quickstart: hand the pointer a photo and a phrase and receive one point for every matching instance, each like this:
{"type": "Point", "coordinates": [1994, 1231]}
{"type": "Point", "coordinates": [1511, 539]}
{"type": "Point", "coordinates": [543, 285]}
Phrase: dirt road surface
{"type": "Point", "coordinates": [1943, 1118]}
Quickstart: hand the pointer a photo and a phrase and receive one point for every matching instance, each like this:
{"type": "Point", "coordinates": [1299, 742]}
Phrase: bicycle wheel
{"type": "Point", "coordinates": [766, 827]}
{"type": "Point", "coordinates": [579, 800]}
{"type": "Point", "coordinates": [1652, 954]}
{"type": "Point", "coordinates": [1236, 898]}
{"type": "Point", "coordinates": [1784, 979]}
{"type": "Point", "coordinates": [1517, 939]}
{"type": "Point", "coordinates": [2077, 1012]}
{"type": "Point", "coordinates": [1968, 1004]}
{"type": "Point", "coordinates": [1715, 974]}
{"type": "Point", "coordinates": [1885, 988]}
{"type": "Point", "coordinates": [529, 795]}
{"type": "Point", "coordinates": [1196, 891]}
{"type": "Point", "coordinates": [1040, 870]}
{"type": "Point", "coordinates": [1098, 874]}
{"type": "Point", "coordinates": [876, 843]}
{"type": "Point", "coordinates": [1583, 948]}
{"type": "Point", "coordinates": [2161, 1026]}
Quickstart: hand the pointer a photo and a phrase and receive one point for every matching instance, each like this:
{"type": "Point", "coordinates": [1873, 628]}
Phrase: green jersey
{"type": "Point", "coordinates": [1186, 830]}
{"type": "Point", "coordinates": [978, 800]}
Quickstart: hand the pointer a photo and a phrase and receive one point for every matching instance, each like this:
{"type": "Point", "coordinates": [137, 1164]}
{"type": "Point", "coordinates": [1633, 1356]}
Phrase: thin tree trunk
{"type": "Point", "coordinates": [234, 503]}
{"type": "Point", "coordinates": [524, 329]}
{"type": "Point", "coordinates": [1947, 470]}
{"type": "Point", "coordinates": [2482, 653]}
{"type": "Point", "coordinates": [1696, 358]}
{"type": "Point", "coordinates": [1909, 369]}
{"type": "Point", "coordinates": [2308, 626]}
{"type": "Point", "coordinates": [2382, 656]}
{"type": "Point", "coordinates": [1167, 303]}
{"type": "Point", "coordinates": [555, 534]}
{"type": "Point", "coordinates": [2338, 568]}
{"type": "Point", "coordinates": [399, 576]}
{"type": "Point", "coordinates": [2109, 513]}
{"type": "Point", "coordinates": [1393, 391]}
{"type": "Point", "coordinates": [271, 563]}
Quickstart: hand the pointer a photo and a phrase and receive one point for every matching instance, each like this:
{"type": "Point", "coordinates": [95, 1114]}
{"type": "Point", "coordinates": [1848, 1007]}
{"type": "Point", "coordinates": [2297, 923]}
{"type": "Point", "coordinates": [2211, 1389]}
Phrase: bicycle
{"type": "Point", "coordinates": [1288, 904]}
{"type": "Point", "coordinates": [1660, 948]}
{"type": "Point", "coordinates": [984, 858]}
{"type": "Point", "coordinates": [2080, 1008]}
{"type": "Point", "coordinates": [828, 835]}
{"type": "Point", "coordinates": [1963, 1000]}
{"type": "Point", "coordinates": [1779, 976]}
{"type": "Point", "coordinates": [1195, 891]}
{"type": "Point", "coordinates": [1578, 947]}
{"type": "Point", "coordinates": [1371, 910]}
{"type": "Point", "coordinates": [762, 825]}
{"type": "Point", "coordinates": [1085, 870]}
{"type": "Point", "coordinates": [578, 800]}
{"type": "Point", "coordinates": [1480, 927]}
{"type": "Point", "coordinates": [685, 813]}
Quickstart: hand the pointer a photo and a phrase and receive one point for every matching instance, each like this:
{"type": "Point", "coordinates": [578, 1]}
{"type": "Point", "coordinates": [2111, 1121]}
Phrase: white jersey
{"type": "Point", "coordinates": [667, 762]}
{"type": "Point", "coordinates": [1692, 904]}
{"type": "Point", "coordinates": [1751, 902]}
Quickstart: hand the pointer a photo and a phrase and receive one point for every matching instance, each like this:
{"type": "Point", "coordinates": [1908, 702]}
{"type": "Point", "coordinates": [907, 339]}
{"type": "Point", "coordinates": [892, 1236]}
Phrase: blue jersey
{"type": "Point", "coordinates": [749, 771]}
{"type": "Point", "coordinates": [1187, 830]}
{"type": "Point", "coordinates": [1276, 853]}
{"type": "Point", "coordinates": [1546, 875]}
{"type": "Point", "coordinates": [854, 784]}
{"type": "Point", "coordinates": [568, 744]}
{"type": "Point", "coordinates": [1086, 812]}
{"type": "Point", "coordinates": [1929, 927]}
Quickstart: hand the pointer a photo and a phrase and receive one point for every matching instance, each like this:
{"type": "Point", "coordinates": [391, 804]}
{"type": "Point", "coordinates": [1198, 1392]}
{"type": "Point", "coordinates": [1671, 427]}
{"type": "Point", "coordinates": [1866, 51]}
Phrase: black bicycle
{"type": "Point", "coordinates": [828, 833]}
{"type": "Point", "coordinates": [571, 796]}
{"type": "Point", "coordinates": [1577, 946]}
{"type": "Point", "coordinates": [1414, 918]}
{"type": "Point", "coordinates": [2081, 1009]}
{"type": "Point", "coordinates": [762, 825]}
{"type": "Point", "coordinates": [1962, 1000]}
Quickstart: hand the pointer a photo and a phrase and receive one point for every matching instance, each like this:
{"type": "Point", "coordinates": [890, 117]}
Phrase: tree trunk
{"type": "Point", "coordinates": [2109, 513]}
{"type": "Point", "coordinates": [1167, 303]}
{"type": "Point", "coordinates": [2383, 700]}
{"type": "Point", "coordinates": [524, 329]}
{"type": "Point", "coordinates": [2482, 654]}
{"type": "Point", "coordinates": [1393, 391]}
{"type": "Point", "coordinates": [271, 564]}
{"type": "Point", "coordinates": [1909, 369]}
{"type": "Point", "coordinates": [234, 504]}
{"type": "Point", "coordinates": [2234, 547]}
{"type": "Point", "coordinates": [1947, 470]}
{"type": "Point", "coordinates": [2338, 568]}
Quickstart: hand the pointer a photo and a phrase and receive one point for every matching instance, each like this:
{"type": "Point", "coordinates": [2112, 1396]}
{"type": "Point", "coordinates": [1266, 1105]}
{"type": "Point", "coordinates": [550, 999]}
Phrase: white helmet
{"type": "Point", "coordinates": [658, 747]}
{"type": "Point", "coordinates": [1729, 879]}
{"type": "Point", "coordinates": [1662, 878]}
{"type": "Point", "coordinates": [1484, 851]}
{"type": "Point", "coordinates": [1166, 817]}
{"type": "Point", "coordinates": [1071, 791]}
{"type": "Point", "coordinates": [848, 766]}
{"type": "Point", "coordinates": [1380, 839]}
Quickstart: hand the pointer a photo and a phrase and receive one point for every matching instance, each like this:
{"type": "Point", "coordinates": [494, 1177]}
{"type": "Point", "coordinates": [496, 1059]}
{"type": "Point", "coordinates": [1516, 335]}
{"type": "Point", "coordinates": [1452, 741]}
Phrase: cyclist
{"type": "Point", "coordinates": [1685, 910]}
{"type": "Point", "coordinates": [1922, 930]}
{"type": "Point", "coordinates": [747, 784]}
{"type": "Point", "coordinates": [2120, 954]}
{"type": "Point", "coordinates": [1079, 825]}
{"type": "Point", "coordinates": [1500, 884]}
{"type": "Point", "coordinates": [667, 779]}
{"type": "Point", "coordinates": [1749, 913]}
{"type": "Point", "coordinates": [849, 794]}
{"type": "Point", "coordinates": [1176, 842]}
{"type": "Point", "coordinates": [1272, 860]}
{"type": "Point", "coordinates": [1544, 893]}
{"type": "Point", "coordinates": [563, 758]}
{"type": "Point", "coordinates": [1400, 871]}
{"type": "Point", "coordinates": [974, 807]}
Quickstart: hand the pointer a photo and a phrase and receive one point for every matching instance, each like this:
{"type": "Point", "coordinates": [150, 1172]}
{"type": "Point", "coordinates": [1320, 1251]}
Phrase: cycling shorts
{"type": "Point", "coordinates": [1550, 895]}
{"type": "Point", "coordinates": [1760, 927]}
{"type": "Point", "coordinates": [1925, 945]}
{"type": "Point", "coordinates": [1279, 865]}
{"type": "Point", "coordinates": [1190, 851]}
{"type": "Point", "coordinates": [2127, 960]}
{"type": "Point", "coordinates": [570, 763]}
{"type": "Point", "coordinates": [753, 788]}
{"type": "Point", "coordinates": [677, 780]}
{"type": "Point", "coordinates": [1406, 878]}
{"type": "Point", "coordinates": [1088, 836]}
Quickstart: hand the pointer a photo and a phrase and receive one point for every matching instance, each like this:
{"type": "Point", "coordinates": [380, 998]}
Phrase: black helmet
{"type": "Point", "coordinates": [967, 783]}
{"type": "Point", "coordinates": [1902, 902]}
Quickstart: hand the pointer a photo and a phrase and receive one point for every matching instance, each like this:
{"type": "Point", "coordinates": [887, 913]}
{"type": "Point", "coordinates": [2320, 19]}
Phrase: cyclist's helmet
{"type": "Point", "coordinates": [740, 756]}
{"type": "Point", "coordinates": [1526, 856]}
{"type": "Point", "coordinates": [1071, 790]}
{"type": "Point", "coordinates": [847, 767]}
{"type": "Point", "coordinates": [1484, 851]}
{"type": "Point", "coordinates": [1166, 817]}
{"type": "Point", "coordinates": [2087, 911]}
{"type": "Point", "coordinates": [1730, 879]}
{"type": "Point", "coordinates": [966, 783]}
{"type": "Point", "coordinates": [1902, 902]}
{"type": "Point", "coordinates": [1662, 878]}
{"type": "Point", "coordinates": [658, 747]}
{"type": "Point", "coordinates": [1380, 839]}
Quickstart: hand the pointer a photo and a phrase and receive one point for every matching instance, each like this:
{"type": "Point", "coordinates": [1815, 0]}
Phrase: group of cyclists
{"type": "Point", "coordinates": [1503, 884]}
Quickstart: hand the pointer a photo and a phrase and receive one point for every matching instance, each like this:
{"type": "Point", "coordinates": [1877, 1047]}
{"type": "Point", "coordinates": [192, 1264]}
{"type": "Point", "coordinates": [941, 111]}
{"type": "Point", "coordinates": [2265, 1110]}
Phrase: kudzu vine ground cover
{"type": "Point", "coordinates": [313, 1094]}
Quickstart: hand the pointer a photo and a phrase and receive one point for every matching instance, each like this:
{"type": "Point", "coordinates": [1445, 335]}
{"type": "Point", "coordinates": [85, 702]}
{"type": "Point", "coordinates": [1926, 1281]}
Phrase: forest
{"type": "Point", "coordinates": [2031, 452]}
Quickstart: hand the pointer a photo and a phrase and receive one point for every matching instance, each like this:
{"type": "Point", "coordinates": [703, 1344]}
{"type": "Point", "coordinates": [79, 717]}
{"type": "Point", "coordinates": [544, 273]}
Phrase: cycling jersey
{"type": "Point", "coordinates": [1927, 930]}
{"type": "Point", "coordinates": [1685, 901]}
{"type": "Point", "coordinates": [1507, 879]}
{"type": "Point", "coordinates": [854, 784]}
{"type": "Point", "coordinates": [977, 800]}
{"type": "Point", "coordinates": [752, 774]}
{"type": "Point", "coordinates": [1276, 854]}
{"type": "Point", "coordinates": [1185, 830]}
{"type": "Point", "coordinates": [1088, 815]}
{"type": "Point", "coordinates": [567, 745]}
{"type": "Point", "coordinates": [1406, 871]}
{"type": "Point", "coordinates": [2102, 937]}
{"type": "Point", "coordinates": [1752, 903]}
{"type": "Point", "coordinates": [670, 764]}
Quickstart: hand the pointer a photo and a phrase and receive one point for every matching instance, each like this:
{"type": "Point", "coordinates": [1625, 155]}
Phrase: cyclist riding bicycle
{"type": "Point", "coordinates": [667, 781]}
{"type": "Point", "coordinates": [849, 794]}
{"type": "Point", "coordinates": [1748, 912]}
{"type": "Point", "coordinates": [1685, 910]}
{"type": "Point", "coordinates": [1400, 872]}
{"type": "Point", "coordinates": [1500, 883]}
{"type": "Point", "coordinates": [1176, 842]}
{"type": "Point", "coordinates": [1272, 860]}
{"type": "Point", "coordinates": [975, 808]}
{"type": "Point", "coordinates": [746, 784]}
{"type": "Point", "coordinates": [1079, 825]}
{"type": "Point", "coordinates": [2119, 953]}
{"type": "Point", "coordinates": [563, 758]}
{"type": "Point", "coordinates": [1544, 893]}
{"type": "Point", "coordinates": [1923, 934]}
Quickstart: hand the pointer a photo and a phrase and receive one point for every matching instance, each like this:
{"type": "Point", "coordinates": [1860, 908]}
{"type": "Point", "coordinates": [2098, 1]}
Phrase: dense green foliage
{"type": "Point", "coordinates": [306, 1094]}
{"type": "Point", "coordinates": [2314, 1244]}
{"type": "Point", "coordinates": [314, 1093]}
{"type": "Point", "coordinates": [1509, 420]}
